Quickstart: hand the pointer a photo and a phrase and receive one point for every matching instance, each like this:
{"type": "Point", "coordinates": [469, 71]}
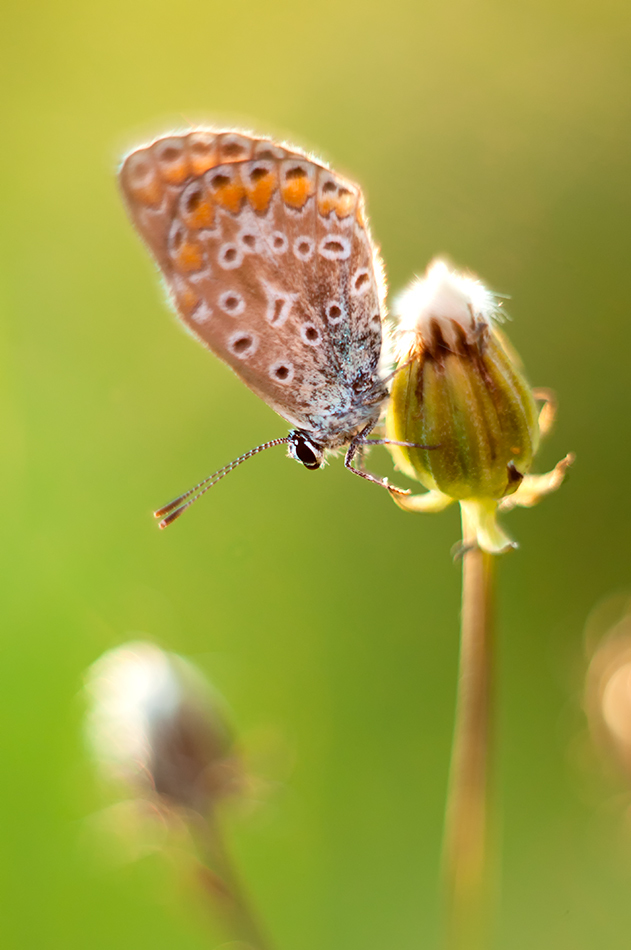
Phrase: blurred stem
{"type": "Point", "coordinates": [466, 842]}
{"type": "Point", "coordinates": [226, 893]}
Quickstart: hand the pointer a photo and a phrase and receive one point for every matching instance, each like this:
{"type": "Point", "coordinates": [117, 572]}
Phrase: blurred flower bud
{"type": "Point", "coordinates": [608, 694]}
{"type": "Point", "coordinates": [460, 388]}
{"type": "Point", "coordinates": [156, 724]}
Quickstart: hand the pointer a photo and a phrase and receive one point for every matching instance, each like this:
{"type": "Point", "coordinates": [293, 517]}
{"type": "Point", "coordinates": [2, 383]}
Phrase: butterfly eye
{"type": "Point", "coordinates": [304, 450]}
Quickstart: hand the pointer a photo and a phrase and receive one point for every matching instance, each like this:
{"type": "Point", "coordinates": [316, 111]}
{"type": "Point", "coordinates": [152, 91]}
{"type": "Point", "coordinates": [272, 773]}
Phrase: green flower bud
{"type": "Point", "coordinates": [460, 389]}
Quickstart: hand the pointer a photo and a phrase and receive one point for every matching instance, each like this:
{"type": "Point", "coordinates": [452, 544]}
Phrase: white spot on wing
{"type": "Point", "coordinates": [243, 344]}
{"type": "Point", "coordinates": [335, 247]}
{"type": "Point", "coordinates": [282, 371]}
{"type": "Point", "coordinates": [335, 312]}
{"type": "Point", "coordinates": [234, 147]}
{"type": "Point", "coordinates": [360, 282]}
{"type": "Point", "coordinates": [249, 241]}
{"type": "Point", "coordinates": [279, 304]}
{"type": "Point", "coordinates": [232, 303]}
{"type": "Point", "coordinates": [202, 313]}
{"type": "Point", "coordinates": [310, 334]}
{"type": "Point", "coordinates": [268, 147]}
{"type": "Point", "coordinates": [279, 242]}
{"type": "Point", "coordinates": [230, 256]}
{"type": "Point", "coordinates": [303, 247]}
{"type": "Point", "coordinates": [169, 151]}
{"type": "Point", "coordinates": [139, 169]}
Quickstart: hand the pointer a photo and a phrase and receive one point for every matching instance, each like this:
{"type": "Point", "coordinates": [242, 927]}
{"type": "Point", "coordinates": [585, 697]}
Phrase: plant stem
{"type": "Point", "coordinates": [225, 890]}
{"type": "Point", "coordinates": [466, 842]}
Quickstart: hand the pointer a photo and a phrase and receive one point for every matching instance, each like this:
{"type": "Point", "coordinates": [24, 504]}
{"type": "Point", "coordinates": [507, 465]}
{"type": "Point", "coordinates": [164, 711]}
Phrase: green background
{"type": "Point", "coordinates": [495, 132]}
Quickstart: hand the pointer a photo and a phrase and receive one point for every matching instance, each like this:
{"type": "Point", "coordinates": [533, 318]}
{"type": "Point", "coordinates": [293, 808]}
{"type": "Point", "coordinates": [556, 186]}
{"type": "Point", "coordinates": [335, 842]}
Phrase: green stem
{"type": "Point", "coordinates": [226, 893]}
{"type": "Point", "coordinates": [466, 843]}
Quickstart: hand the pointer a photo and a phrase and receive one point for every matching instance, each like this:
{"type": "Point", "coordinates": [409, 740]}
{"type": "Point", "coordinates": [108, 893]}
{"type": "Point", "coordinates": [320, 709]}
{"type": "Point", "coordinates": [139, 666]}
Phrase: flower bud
{"type": "Point", "coordinates": [460, 390]}
{"type": "Point", "coordinates": [608, 694]}
{"type": "Point", "coordinates": [156, 725]}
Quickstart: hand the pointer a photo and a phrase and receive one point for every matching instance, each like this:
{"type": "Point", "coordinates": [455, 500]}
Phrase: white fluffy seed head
{"type": "Point", "coordinates": [155, 724]}
{"type": "Point", "coordinates": [443, 300]}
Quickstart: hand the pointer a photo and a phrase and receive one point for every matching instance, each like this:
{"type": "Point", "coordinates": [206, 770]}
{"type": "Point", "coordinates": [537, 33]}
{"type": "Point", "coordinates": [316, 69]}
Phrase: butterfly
{"type": "Point", "coordinates": [268, 261]}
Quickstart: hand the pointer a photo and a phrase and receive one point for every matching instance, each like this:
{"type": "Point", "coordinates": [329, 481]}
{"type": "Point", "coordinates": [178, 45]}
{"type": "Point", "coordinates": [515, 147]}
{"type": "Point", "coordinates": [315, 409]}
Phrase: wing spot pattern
{"type": "Point", "coordinates": [278, 307]}
{"type": "Point", "coordinates": [297, 185]}
{"type": "Point", "coordinates": [242, 344]}
{"type": "Point", "coordinates": [194, 199]}
{"type": "Point", "coordinates": [196, 209]}
{"type": "Point", "coordinates": [232, 303]}
{"type": "Point", "coordinates": [310, 334]}
{"type": "Point", "coordinates": [279, 242]}
{"type": "Point", "coordinates": [201, 148]}
{"type": "Point", "coordinates": [258, 173]}
{"type": "Point", "coordinates": [334, 313]}
{"type": "Point", "coordinates": [267, 150]}
{"type": "Point", "coordinates": [335, 247]}
{"type": "Point", "coordinates": [227, 188]}
{"type": "Point", "coordinates": [187, 254]}
{"type": "Point", "coordinates": [202, 313]}
{"type": "Point", "coordinates": [303, 248]}
{"type": "Point", "coordinates": [220, 181]}
{"type": "Point", "coordinates": [361, 281]}
{"type": "Point", "coordinates": [261, 182]}
{"type": "Point", "coordinates": [230, 256]}
{"type": "Point", "coordinates": [282, 371]}
{"type": "Point", "coordinates": [140, 178]}
{"type": "Point", "coordinates": [335, 197]}
{"type": "Point", "coordinates": [234, 148]}
{"type": "Point", "coordinates": [172, 160]}
{"type": "Point", "coordinates": [248, 241]}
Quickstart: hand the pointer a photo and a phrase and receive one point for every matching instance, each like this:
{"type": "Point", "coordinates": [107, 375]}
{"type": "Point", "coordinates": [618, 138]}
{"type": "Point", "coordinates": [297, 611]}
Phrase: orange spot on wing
{"type": "Point", "coordinates": [260, 192]}
{"type": "Point", "coordinates": [326, 203]}
{"type": "Point", "coordinates": [202, 216]}
{"type": "Point", "coordinates": [189, 257]}
{"type": "Point", "coordinates": [186, 299]}
{"type": "Point", "coordinates": [297, 191]}
{"type": "Point", "coordinates": [140, 180]}
{"type": "Point", "coordinates": [176, 173]}
{"type": "Point", "coordinates": [230, 195]}
{"type": "Point", "coordinates": [342, 204]}
{"type": "Point", "coordinates": [202, 151]}
{"type": "Point", "coordinates": [149, 193]}
{"type": "Point", "coordinates": [345, 203]}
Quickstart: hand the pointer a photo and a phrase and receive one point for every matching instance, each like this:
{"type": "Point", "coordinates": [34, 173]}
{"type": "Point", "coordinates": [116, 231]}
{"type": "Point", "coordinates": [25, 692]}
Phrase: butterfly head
{"type": "Point", "coordinates": [305, 450]}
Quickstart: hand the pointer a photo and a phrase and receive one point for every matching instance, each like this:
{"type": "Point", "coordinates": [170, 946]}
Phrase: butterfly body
{"type": "Point", "coordinates": [269, 263]}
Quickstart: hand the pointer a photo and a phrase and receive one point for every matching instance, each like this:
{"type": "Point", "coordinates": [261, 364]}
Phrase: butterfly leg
{"type": "Point", "coordinates": [355, 449]}
{"type": "Point", "coordinates": [360, 457]}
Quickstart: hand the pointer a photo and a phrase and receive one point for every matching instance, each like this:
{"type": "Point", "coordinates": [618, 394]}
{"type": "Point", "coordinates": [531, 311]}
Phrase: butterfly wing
{"type": "Point", "coordinates": [269, 263]}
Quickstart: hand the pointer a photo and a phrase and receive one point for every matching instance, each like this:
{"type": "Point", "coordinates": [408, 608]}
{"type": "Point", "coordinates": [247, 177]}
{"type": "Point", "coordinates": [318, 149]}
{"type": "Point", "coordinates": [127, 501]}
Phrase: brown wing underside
{"type": "Point", "coordinates": [269, 263]}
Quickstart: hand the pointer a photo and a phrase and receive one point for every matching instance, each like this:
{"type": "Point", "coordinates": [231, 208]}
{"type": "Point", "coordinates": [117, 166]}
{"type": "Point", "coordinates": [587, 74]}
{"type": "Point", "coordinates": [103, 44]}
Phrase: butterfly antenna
{"type": "Point", "coordinates": [179, 505]}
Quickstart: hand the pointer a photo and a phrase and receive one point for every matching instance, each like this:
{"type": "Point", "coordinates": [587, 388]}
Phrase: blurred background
{"type": "Point", "coordinates": [495, 133]}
